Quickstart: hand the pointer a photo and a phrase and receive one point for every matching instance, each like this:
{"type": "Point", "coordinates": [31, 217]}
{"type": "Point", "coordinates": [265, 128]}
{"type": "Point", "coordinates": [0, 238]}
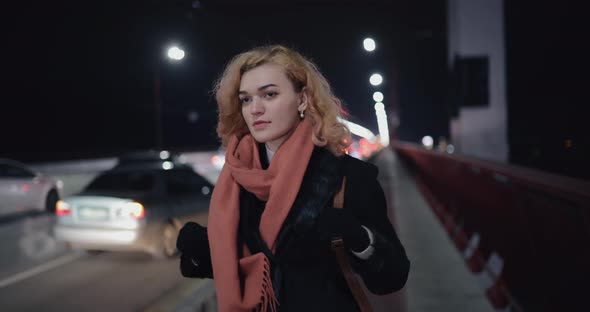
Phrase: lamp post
{"type": "Point", "coordinates": [376, 80]}
{"type": "Point", "coordinates": [369, 44]}
{"type": "Point", "coordinates": [174, 54]}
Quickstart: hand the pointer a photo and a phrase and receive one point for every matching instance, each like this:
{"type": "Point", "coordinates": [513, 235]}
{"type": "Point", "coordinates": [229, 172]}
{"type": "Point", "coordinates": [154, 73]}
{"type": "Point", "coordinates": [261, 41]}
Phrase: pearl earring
{"type": "Point", "coordinates": [301, 115]}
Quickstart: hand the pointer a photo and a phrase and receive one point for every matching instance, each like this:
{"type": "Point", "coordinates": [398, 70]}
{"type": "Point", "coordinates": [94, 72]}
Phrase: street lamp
{"type": "Point", "coordinates": [376, 79]}
{"type": "Point", "coordinates": [378, 96]}
{"type": "Point", "coordinates": [382, 123]}
{"type": "Point", "coordinates": [369, 44]}
{"type": "Point", "coordinates": [174, 54]}
{"type": "Point", "coordinates": [427, 141]}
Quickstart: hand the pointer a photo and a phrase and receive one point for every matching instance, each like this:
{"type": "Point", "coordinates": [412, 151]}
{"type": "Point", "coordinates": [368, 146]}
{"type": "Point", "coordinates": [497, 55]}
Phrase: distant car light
{"type": "Point", "coordinates": [62, 208]}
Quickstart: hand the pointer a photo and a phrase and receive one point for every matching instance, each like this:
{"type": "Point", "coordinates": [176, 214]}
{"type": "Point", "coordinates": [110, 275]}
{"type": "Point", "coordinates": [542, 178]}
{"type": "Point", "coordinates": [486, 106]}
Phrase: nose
{"type": "Point", "coordinates": [256, 107]}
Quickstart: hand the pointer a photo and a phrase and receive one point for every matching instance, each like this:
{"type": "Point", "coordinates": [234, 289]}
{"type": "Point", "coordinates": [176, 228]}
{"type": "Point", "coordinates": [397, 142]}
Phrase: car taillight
{"type": "Point", "coordinates": [135, 209]}
{"type": "Point", "coordinates": [62, 208]}
{"type": "Point", "coordinates": [25, 187]}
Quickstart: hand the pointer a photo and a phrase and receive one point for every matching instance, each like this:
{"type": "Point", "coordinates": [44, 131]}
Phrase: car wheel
{"type": "Point", "coordinates": [167, 248]}
{"type": "Point", "coordinates": [51, 201]}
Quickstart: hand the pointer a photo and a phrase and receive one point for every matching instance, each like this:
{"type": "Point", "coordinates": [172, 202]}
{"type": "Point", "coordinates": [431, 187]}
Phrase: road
{"type": "Point", "coordinates": [101, 282]}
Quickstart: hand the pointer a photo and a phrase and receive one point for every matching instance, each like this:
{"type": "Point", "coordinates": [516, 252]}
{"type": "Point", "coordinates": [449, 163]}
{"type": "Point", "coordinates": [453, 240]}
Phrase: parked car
{"type": "Point", "coordinates": [133, 208]}
{"type": "Point", "coordinates": [24, 189]}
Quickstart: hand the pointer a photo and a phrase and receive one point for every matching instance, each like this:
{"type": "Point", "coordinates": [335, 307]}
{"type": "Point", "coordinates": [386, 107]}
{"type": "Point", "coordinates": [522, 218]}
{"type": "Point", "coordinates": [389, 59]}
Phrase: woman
{"type": "Point", "coordinates": [271, 218]}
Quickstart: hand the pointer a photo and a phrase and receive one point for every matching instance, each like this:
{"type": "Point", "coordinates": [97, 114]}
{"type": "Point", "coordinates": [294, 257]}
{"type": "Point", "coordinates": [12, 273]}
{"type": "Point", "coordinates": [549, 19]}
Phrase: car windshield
{"type": "Point", "coordinates": [123, 181]}
{"type": "Point", "coordinates": [13, 171]}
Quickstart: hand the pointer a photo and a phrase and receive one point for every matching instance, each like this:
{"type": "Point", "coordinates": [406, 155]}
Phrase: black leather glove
{"type": "Point", "coordinates": [334, 222]}
{"type": "Point", "coordinates": [191, 238]}
{"type": "Point", "coordinates": [195, 258]}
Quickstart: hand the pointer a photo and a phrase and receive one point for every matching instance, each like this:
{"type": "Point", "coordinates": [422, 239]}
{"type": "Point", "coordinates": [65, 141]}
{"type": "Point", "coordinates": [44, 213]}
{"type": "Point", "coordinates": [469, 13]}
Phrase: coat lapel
{"type": "Point", "coordinates": [320, 183]}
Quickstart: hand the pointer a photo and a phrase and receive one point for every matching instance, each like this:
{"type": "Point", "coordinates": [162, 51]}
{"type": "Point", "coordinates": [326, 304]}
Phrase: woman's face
{"type": "Point", "coordinates": [270, 105]}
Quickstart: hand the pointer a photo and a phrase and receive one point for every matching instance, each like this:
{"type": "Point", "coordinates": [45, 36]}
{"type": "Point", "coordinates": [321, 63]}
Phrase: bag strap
{"type": "Point", "coordinates": [342, 258]}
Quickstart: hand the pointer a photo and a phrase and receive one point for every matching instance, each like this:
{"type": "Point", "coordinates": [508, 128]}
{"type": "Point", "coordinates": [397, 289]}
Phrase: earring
{"type": "Point", "coordinates": [301, 114]}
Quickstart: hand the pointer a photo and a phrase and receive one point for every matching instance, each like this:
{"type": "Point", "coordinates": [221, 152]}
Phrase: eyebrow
{"type": "Point", "coordinates": [260, 88]}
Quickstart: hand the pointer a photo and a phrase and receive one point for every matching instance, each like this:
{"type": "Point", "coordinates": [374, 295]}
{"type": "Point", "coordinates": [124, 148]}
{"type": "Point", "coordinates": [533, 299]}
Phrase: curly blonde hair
{"type": "Point", "coordinates": [323, 108]}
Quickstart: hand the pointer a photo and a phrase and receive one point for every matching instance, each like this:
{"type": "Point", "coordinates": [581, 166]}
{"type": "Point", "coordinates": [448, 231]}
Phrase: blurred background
{"type": "Point", "coordinates": [86, 79]}
{"type": "Point", "coordinates": [121, 91]}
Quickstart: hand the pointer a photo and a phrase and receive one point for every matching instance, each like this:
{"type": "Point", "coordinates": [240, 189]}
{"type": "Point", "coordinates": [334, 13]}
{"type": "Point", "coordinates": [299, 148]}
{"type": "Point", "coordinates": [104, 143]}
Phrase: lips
{"type": "Point", "coordinates": [258, 125]}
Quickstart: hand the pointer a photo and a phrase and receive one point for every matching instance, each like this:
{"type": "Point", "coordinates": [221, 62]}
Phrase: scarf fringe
{"type": "Point", "coordinates": [269, 301]}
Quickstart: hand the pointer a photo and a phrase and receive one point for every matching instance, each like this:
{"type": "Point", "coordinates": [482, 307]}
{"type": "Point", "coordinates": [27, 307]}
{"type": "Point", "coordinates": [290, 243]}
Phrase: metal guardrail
{"type": "Point", "coordinates": [523, 232]}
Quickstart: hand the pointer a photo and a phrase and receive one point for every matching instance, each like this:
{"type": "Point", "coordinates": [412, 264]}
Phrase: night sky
{"type": "Point", "coordinates": [78, 77]}
{"type": "Point", "coordinates": [82, 77]}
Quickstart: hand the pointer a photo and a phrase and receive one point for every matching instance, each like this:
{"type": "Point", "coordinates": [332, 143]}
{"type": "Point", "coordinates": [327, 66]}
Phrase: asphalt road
{"type": "Point", "coordinates": [39, 273]}
{"type": "Point", "coordinates": [101, 282]}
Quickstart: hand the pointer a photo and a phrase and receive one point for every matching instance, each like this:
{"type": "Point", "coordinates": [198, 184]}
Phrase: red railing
{"type": "Point", "coordinates": [524, 233]}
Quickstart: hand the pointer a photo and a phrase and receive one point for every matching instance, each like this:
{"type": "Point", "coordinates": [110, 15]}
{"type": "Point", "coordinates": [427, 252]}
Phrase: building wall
{"type": "Point", "coordinates": [475, 28]}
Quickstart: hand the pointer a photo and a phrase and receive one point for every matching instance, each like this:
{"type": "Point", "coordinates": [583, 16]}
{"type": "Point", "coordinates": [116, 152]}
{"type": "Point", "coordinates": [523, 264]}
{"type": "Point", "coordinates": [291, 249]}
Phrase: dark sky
{"type": "Point", "coordinates": [78, 77]}
{"type": "Point", "coordinates": [81, 76]}
{"type": "Point", "coordinates": [547, 82]}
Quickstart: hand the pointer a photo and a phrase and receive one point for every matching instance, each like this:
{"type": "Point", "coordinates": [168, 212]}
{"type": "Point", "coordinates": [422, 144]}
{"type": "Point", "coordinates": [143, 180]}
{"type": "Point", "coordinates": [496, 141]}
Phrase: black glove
{"type": "Point", "coordinates": [335, 222]}
{"type": "Point", "coordinates": [193, 243]}
{"type": "Point", "coordinates": [191, 238]}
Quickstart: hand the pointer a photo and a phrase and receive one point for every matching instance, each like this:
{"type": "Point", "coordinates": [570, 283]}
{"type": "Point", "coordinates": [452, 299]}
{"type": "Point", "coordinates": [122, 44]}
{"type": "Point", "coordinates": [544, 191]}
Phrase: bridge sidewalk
{"type": "Point", "coordinates": [439, 279]}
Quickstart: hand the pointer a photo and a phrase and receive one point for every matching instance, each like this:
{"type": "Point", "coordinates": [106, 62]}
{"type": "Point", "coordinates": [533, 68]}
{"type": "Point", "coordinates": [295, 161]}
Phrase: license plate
{"type": "Point", "coordinates": [93, 213]}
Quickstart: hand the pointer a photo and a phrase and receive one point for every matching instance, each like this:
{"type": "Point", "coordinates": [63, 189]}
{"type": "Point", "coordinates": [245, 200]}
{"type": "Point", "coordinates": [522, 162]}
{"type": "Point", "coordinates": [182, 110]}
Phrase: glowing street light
{"type": "Point", "coordinates": [427, 141]}
{"type": "Point", "coordinates": [369, 44]}
{"type": "Point", "coordinates": [376, 79]}
{"type": "Point", "coordinates": [358, 129]}
{"type": "Point", "coordinates": [175, 53]}
{"type": "Point", "coordinates": [382, 123]}
{"type": "Point", "coordinates": [378, 96]}
{"type": "Point", "coordinates": [450, 149]}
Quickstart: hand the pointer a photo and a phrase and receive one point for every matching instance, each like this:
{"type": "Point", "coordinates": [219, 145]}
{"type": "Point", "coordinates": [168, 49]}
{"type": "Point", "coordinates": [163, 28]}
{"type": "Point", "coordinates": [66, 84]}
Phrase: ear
{"type": "Point", "coordinates": [303, 100]}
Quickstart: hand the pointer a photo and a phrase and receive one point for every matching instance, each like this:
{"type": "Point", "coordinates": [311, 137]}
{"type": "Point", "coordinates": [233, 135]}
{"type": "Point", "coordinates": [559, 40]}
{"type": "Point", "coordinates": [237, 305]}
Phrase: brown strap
{"type": "Point", "coordinates": [342, 258]}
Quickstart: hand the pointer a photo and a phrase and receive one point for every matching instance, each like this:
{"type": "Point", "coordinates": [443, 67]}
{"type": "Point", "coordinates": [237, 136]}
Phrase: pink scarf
{"type": "Point", "coordinates": [244, 284]}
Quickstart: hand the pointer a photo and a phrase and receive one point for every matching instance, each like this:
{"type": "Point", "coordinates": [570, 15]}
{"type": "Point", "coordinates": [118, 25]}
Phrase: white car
{"type": "Point", "coordinates": [133, 207]}
{"type": "Point", "coordinates": [23, 189]}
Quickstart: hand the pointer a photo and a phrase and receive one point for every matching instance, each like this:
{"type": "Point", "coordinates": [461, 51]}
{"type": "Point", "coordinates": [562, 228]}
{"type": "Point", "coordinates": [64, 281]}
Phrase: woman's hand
{"type": "Point", "coordinates": [193, 244]}
{"type": "Point", "coordinates": [191, 238]}
{"type": "Point", "coordinates": [333, 222]}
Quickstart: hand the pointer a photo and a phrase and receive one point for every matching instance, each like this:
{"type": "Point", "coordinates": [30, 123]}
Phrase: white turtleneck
{"type": "Point", "coordinates": [269, 153]}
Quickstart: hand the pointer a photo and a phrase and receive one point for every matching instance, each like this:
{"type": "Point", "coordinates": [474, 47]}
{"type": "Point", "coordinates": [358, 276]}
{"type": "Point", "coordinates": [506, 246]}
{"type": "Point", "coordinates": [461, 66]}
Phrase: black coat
{"type": "Point", "coordinates": [306, 275]}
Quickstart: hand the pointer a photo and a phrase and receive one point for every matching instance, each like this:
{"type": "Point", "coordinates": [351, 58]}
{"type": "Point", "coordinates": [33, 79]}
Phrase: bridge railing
{"type": "Point", "coordinates": [525, 234]}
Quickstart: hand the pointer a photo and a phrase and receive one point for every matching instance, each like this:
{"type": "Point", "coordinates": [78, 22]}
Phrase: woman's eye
{"type": "Point", "coordinates": [271, 94]}
{"type": "Point", "coordinates": [244, 100]}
